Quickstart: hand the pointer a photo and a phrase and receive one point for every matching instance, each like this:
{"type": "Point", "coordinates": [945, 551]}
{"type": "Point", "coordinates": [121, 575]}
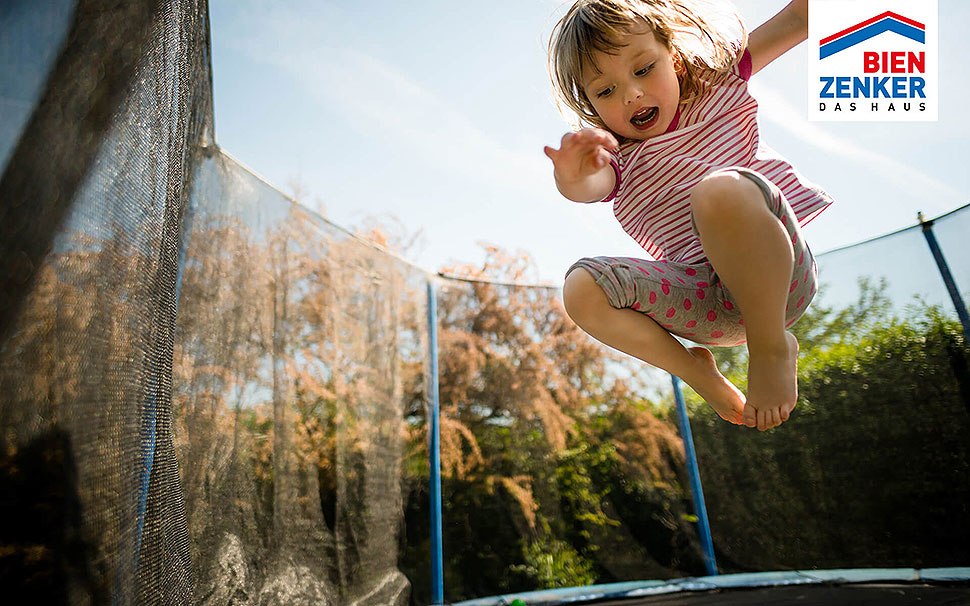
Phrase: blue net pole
{"type": "Point", "coordinates": [707, 543]}
{"type": "Point", "coordinates": [951, 286]}
{"type": "Point", "coordinates": [437, 552]}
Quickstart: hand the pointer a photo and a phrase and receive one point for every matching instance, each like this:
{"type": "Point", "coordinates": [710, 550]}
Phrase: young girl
{"type": "Point", "coordinates": [673, 143]}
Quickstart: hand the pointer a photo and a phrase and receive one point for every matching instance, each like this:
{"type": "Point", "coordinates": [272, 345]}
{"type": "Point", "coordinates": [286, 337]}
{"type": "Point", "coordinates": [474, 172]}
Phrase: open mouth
{"type": "Point", "coordinates": [645, 118]}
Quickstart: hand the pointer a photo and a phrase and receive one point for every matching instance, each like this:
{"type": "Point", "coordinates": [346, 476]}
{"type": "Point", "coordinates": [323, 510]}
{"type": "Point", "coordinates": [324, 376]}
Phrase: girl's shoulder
{"type": "Point", "coordinates": [714, 84]}
{"type": "Point", "coordinates": [739, 69]}
{"type": "Point", "coordinates": [719, 92]}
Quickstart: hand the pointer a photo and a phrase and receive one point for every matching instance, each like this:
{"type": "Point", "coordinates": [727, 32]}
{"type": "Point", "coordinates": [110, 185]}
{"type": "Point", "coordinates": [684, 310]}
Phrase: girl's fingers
{"type": "Point", "coordinates": [590, 137]}
{"type": "Point", "coordinates": [599, 136]}
{"type": "Point", "coordinates": [590, 145]}
{"type": "Point", "coordinates": [598, 160]}
{"type": "Point", "coordinates": [609, 140]}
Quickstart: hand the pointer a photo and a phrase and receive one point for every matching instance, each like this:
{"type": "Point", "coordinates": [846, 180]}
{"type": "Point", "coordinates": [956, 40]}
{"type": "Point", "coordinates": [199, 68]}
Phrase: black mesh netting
{"type": "Point", "coordinates": [117, 100]}
{"type": "Point", "coordinates": [298, 352]}
{"type": "Point", "coordinates": [250, 452]}
{"type": "Point", "coordinates": [210, 395]}
{"type": "Point", "coordinates": [900, 266]}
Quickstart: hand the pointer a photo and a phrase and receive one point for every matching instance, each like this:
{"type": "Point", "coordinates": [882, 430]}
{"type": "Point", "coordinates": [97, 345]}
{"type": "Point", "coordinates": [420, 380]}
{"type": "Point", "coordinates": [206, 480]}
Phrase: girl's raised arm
{"type": "Point", "coordinates": [777, 35]}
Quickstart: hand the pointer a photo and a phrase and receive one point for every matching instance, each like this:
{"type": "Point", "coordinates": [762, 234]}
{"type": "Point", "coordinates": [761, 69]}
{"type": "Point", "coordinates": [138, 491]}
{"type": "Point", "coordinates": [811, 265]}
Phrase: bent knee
{"type": "Point", "coordinates": [723, 191]}
{"type": "Point", "coordinates": [581, 294]}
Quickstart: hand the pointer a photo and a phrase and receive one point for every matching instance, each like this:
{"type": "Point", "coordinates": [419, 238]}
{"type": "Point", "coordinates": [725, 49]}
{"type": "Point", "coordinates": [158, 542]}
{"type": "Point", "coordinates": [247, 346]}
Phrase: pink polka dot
{"type": "Point", "coordinates": [807, 272]}
{"type": "Point", "coordinates": [801, 258]}
{"type": "Point", "coordinates": [741, 321]}
{"type": "Point", "coordinates": [728, 305]}
{"type": "Point", "coordinates": [702, 284]}
{"type": "Point", "coordinates": [701, 294]}
{"type": "Point", "coordinates": [690, 272]}
{"type": "Point", "coordinates": [643, 270]}
{"type": "Point", "coordinates": [658, 269]}
{"type": "Point", "coordinates": [668, 325]}
{"type": "Point", "coordinates": [717, 334]}
{"type": "Point", "coordinates": [690, 334]}
{"type": "Point", "coordinates": [794, 285]}
{"type": "Point", "coordinates": [687, 304]}
{"type": "Point", "coordinates": [664, 281]}
{"type": "Point", "coordinates": [691, 324]}
{"type": "Point", "coordinates": [653, 297]}
{"type": "Point", "coordinates": [666, 289]}
{"type": "Point", "coordinates": [680, 280]}
{"type": "Point", "coordinates": [800, 301]}
{"type": "Point", "coordinates": [671, 312]}
{"type": "Point", "coordinates": [794, 239]}
{"type": "Point", "coordinates": [636, 305]}
{"type": "Point", "coordinates": [789, 324]}
{"type": "Point", "coordinates": [784, 220]}
{"type": "Point", "coordinates": [711, 316]}
{"type": "Point", "coordinates": [652, 315]}
{"type": "Point", "coordinates": [812, 292]}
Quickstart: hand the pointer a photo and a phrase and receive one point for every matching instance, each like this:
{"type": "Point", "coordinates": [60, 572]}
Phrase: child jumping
{"type": "Point", "coordinates": [672, 140]}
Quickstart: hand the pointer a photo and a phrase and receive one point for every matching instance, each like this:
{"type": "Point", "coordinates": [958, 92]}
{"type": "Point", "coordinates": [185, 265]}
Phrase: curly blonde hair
{"type": "Point", "coordinates": [700, 34]}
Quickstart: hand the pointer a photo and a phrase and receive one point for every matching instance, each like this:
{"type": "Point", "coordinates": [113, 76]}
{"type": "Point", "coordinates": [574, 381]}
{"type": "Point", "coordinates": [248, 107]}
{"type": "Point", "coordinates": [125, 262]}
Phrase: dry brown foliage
{"type": "Point", "coordinates": [509, 356]}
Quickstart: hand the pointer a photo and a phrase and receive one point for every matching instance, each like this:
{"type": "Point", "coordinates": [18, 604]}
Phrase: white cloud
{"type": "Point", "coordinates": [385, 103]}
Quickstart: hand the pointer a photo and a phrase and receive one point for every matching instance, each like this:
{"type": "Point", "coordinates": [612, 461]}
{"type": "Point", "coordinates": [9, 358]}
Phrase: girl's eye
{"type": "Point", "coordinates": [644, 71]}
{"type": "Point", "coordinates": [605, 92]}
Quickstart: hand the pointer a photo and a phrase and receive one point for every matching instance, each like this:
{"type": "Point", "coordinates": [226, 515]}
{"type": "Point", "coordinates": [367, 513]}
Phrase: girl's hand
{"type": "Point", "coordinates": [582, 164]}
{"type": "Point", "coordinates": [581, 155]}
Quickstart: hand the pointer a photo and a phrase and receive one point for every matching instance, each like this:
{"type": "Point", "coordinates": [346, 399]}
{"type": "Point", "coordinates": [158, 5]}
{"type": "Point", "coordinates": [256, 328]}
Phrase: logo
{"type": "Point", "coordinates": [873, 60]}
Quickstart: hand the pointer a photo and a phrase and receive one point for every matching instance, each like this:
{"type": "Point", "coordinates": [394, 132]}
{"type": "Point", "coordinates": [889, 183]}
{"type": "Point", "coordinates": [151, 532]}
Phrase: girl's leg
{"type": "Point", "coordinates": [752, 253]}
{"type": "Point", "coordinates": [636, 334]}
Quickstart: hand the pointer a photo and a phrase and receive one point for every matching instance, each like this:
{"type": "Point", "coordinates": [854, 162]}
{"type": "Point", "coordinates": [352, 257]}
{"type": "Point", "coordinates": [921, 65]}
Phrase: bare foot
{"type": "Point", "coordinates": [772, 385]}
{"type": "Point", "coordinates": [726, 399]}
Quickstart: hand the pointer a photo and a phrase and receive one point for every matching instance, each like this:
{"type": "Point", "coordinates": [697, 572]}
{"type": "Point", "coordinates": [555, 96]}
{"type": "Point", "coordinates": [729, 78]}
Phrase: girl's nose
{"type": "Point", "coordinates": [633, 93]}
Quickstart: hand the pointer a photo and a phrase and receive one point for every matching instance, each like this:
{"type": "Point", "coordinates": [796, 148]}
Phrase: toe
{"type": "Point", "coordinates": [750, 416]}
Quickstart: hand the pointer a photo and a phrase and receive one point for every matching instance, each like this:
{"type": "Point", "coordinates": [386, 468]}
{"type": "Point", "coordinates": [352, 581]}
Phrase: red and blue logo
{"type": "Point", "coordinates": [870, 28]}
{"type": "Point", "coordinates": [873, 68]}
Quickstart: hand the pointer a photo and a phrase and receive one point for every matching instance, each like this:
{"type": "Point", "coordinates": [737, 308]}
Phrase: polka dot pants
{"type": "Point", "coordinates": [688, 299]}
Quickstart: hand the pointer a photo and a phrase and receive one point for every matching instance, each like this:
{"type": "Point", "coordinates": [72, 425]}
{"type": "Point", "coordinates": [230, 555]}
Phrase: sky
{"type": "Point", "coordinates": [429, 117]}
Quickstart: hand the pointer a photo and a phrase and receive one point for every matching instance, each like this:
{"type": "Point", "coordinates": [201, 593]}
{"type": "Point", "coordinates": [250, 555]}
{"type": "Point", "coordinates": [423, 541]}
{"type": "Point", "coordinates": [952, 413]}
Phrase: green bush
{"type": "Point", "coordinates": [873, 467]}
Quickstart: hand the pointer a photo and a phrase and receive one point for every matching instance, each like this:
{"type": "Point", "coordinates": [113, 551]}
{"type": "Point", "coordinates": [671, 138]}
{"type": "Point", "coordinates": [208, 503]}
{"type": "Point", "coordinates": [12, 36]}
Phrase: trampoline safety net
{"type": "Point", "coordinates": [211, 395]}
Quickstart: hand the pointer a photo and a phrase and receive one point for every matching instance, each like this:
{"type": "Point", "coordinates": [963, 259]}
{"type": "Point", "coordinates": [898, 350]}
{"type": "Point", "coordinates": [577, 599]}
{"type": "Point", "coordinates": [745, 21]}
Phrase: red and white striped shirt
{"type": "Point", "coordinates": [716, 130]}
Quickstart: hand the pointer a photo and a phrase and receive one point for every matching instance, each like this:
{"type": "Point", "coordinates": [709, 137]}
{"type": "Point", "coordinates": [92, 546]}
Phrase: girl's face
{"type": "Point", "coordinates": [634, 91]}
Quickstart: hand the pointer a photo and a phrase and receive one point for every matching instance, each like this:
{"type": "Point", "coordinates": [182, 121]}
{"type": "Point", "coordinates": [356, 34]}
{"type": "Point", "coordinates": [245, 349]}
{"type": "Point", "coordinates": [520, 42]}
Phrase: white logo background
{"type": "Point", "coordinates": [828, 17]}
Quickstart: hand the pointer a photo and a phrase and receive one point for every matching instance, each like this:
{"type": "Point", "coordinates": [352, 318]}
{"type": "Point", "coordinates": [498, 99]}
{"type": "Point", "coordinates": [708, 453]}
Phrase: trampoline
{"type": "Point", "coordinates": [212, 395]}
{"type": "Point", "coordinates": [818, 587]}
